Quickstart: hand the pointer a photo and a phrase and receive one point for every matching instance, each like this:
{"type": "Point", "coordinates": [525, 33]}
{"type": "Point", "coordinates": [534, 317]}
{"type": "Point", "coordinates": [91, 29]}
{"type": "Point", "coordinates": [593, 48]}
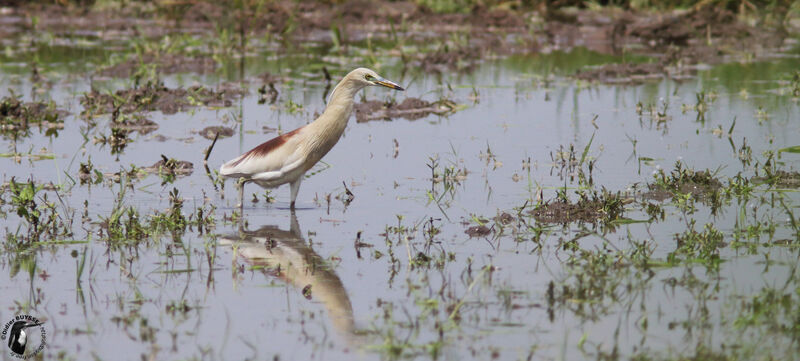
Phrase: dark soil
{"type": "Point", "coordinates": [60, 20]}
{"type": "Point", "coordinates": [706, 33]}
{"type": "Point", "coordinates": [305, 16]}
{"type": "Point", "coordinates": [171, 166]}
{"type": "Point", "coordinates": [682, 181]}
{"type": "Point", "coordinates": [164, 64]}
{"type": "Point", "coordinates": [445, 60]}
{"type": "Point", "coordinates": [16, 115]}
{"type": "Point", "coordinates": [679, 29]}
{"type": "Point", "coordinates": [603, 207]}
{"type": "Point", "coordinates": [781, 179]}
{"type": "Point", "coordinates": [211, 132]}
{"type": "Point", "coordinates": [656, 194]}
{"type": "Point", "coordinates": [623, 73]}
{"type": "Point", "coordinates": [504, 218]}
{"type": "Point", "coordinates": [156, 97]}
{"type": "Point", "coordinates": [134, 122]}
{"type": "Point", "coordinates": [478, 231]}
{"type": "Point", "coordinates": [563, 212]}
{"type": "Point", "coordinates": [410, 108]}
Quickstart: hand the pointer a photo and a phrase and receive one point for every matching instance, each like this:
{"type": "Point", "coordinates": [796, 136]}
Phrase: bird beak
{"type": "Point", "coordinates": [388, 83]}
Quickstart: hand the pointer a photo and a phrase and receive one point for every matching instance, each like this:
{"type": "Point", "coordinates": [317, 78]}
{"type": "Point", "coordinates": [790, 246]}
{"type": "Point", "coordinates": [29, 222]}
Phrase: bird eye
{"type": "Point", "coordinates": [369, 77]}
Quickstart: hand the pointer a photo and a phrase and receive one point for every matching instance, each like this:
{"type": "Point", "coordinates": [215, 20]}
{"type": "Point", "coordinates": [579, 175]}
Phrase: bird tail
{"type": "Point", "coordinates": [229, 168]}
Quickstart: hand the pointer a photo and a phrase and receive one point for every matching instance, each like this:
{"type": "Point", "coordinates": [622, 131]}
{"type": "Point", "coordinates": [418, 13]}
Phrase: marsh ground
{"type": "Point", "coordinates": [571, 184]}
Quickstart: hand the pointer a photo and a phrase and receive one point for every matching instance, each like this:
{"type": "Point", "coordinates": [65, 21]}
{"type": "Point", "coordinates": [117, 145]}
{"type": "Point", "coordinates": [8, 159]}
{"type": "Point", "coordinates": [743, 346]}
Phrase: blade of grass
{"type": "Point", "coordinates": [586, 149]}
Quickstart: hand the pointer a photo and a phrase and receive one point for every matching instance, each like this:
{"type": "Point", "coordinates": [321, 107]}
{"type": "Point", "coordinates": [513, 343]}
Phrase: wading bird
{"type": "Point", "coordinates": [286, 158]}
{"type": "Point", "coordinates": [18, 339]}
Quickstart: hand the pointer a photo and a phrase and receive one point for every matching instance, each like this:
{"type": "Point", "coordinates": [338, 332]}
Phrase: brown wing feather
{"type": "Point", "coordinates": [266, 147]}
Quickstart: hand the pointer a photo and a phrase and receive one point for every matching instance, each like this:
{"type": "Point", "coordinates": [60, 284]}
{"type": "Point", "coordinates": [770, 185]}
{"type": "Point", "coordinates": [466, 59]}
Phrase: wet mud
{"type": "Point", "coordinates": [167, 168]}
{"type": "Point", "coordinates": [603, 207]}
{"type": "Point", "coordinates": [623, 73]}
{"type": "Point", "coordinates": [706, 33]}
{"type": "Point", "coordinates": [163, 64]}
{"type": "Point", "coordinates": [780, 179]}
{"type": "Point", "coordinates": [134, 123]}
{"type": "Point", "coordinates": [676, 40]}
{"type": "Point", "coordinates": [16, 115]}
{"type": "Point", "coordinates": [681, 28]}
{"type": "Point", "coordinates": [700, 184]}
{"type": "Point", "coordinates": [409, 108]}
{"type": "Point", "coordinates": [213, 131]}
{"type": "Point", "coordinates": [157, 97]}
{"type": "Point", "coordinates": [171, 166]}
{"type": "Point", "coordinates": [478, 231]}
{"type": "Point", "coordinates": [445, 59]}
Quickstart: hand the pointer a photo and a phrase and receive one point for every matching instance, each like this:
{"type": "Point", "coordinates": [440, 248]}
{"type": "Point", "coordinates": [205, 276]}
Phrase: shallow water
{"type": "Point", "coordinates": [204, 295]}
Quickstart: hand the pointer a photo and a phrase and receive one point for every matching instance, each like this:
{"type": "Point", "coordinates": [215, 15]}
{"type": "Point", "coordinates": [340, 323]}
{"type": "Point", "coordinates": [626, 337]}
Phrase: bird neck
{"type": "Point", "coordinates": [340, 104]}
{"type": "Point", "coordinates": [343, 94]}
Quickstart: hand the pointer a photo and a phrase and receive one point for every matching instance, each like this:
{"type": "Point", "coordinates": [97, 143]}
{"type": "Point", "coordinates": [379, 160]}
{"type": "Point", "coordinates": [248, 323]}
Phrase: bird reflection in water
{"type": "Point", "coordinates": [287, 256]}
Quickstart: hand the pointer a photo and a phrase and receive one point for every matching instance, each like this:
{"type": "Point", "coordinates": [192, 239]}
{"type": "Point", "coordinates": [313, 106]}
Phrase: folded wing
{"type": "Point", "coordinates": [268, 161]}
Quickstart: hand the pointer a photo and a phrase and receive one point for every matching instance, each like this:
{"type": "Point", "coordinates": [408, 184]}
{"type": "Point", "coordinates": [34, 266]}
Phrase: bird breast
{"type": "Point", "coordinates": [325, 133]}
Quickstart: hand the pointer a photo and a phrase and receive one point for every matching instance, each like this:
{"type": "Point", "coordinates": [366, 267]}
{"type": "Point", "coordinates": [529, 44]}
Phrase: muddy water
{"type": "Point", "coordinates": [295, 287]}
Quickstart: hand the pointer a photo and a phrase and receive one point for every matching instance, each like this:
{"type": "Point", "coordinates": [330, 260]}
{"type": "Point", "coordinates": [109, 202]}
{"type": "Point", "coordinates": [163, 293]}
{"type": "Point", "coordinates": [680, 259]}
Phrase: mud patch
{"type": "Point", "coordinates": [656, 194]}
{"type": "Point", "coordinates": [167, 168]}
{"type": "Point", "coordinates": [602, 206]}
{"type": "Point", "coordinates": [623, 73]}
{"type": "Point", "coordinates": [481, 15]}
{"type": "Point", "coordinates": [157, 97]}
{"type": "Point", "coordinates": [504, 219]}
{"type": "Point", "coordinates": [164, 64]}
{"type": "Point", "coordinates": [478, 231]}
{"type": "Point", "coordinates": [134, 123]}
{"type": "Point", "coordinates": [117, 140]}
{"type": "Point", "coordinates": [680, 180]}
{"type": "Point", "coordinates": [445, 59]}
{"type": "Point", "coordinates": [211, 132]}
{"type": "Point", "coordinates": [17, 117]}
{"type": "Point", "coordinates": [678, 29]}
{"type": "Point", "coordinates": [410, 108]}
{"type": "Point", "coordinates": [707, 33]}
{"type": "Point", "coordinates": [780, 179]}
{"type": "Point", "coordinates": [170, 166]}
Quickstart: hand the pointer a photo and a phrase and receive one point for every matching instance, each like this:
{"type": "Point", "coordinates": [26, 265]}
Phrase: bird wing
{"type": "Point", "coordinates": [268, 160]}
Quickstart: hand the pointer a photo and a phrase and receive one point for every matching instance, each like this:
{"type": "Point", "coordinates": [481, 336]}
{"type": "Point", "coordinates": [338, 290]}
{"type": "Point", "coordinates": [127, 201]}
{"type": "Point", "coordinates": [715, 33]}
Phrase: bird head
{"type": "Point", "coordinates": [368, 77]}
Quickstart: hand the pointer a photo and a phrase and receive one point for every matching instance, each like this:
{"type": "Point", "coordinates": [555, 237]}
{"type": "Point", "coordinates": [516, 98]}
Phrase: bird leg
{"type": "Point", "coordinates": [240, 185]}
{"type": "Point", "coordinates": [295, 226]}
{"type": "Point", "coordinates": [294, 188]}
